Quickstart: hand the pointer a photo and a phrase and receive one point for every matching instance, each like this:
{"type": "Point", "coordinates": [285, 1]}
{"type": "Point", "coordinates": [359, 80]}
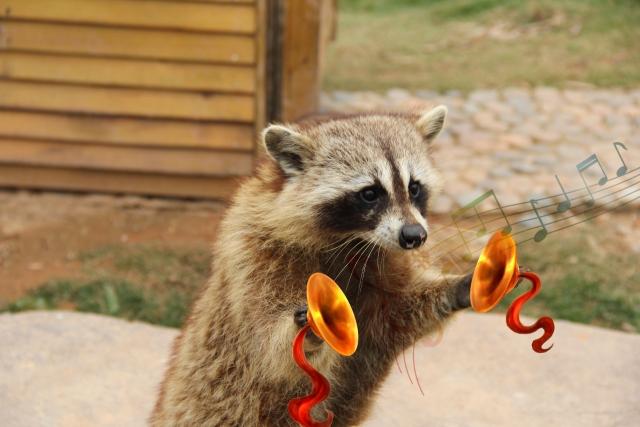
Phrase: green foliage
{"type": "Point", "coordinates": [111, 297]}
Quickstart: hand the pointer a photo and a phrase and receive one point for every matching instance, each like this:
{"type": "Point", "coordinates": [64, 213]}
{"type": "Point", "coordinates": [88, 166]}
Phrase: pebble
{"type": "Point", "coordinates": [516, 140]}
{"type": "Point", "coordinates": [342, 96]}
{"type": "Point", "coordinates": [545, 161]}
{"type": "Point", "coordinates": [442, 204]}
{"type": "Point", "coordinates": [427, 94]}
{"type": "Point", "coordinates": [465, 198]}
{"type": "Point", "coordinates": [500, 172]}
{"type": "Point", "coordinates": [483, 96]}
{"type": "Point", "coordinates": [523, 168]}
{"type": "Point", "coordinates": [397, 94]}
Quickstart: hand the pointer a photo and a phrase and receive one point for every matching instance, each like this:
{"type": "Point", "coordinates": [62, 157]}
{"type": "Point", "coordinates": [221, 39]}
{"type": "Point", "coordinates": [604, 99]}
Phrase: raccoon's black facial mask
{"type": "Point", "coordinates": [356, 211]}
{"type": "Point", "coordinates": [419, 195]}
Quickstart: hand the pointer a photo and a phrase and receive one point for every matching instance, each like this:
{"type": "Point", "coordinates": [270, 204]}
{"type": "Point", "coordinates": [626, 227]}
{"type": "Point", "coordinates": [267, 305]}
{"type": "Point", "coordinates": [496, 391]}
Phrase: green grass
{"type": "Point", "coordinates": [109, 296]}
{"type": "Point", "coordinates": [467, 44]}
{"type": "Point", "coordinates": [139, 282]}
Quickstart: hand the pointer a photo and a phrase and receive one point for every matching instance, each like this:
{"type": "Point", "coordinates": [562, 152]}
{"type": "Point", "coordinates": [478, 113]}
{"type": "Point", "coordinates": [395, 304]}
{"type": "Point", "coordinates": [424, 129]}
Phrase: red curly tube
{"type": "Point", "coordinates": [300, 408]}
{"type": "Point", "coordinates": [513, 315]}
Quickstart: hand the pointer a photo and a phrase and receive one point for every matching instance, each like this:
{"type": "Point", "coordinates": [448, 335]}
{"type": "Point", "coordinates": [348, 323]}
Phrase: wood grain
{"type": "Point", "coordinates": [127, 72]}
{"type": "Point", "coordinates": [126, 131]}
{"type": "Point", "coordinates": [300, 59]}
{"type": "Point", "coordinates": [126, 43]}
{"type": "Point", "coordinates": [125, 102]}
{"type": "Point", "coordinates": [153, 14]}
{"type": "Point", "coordinates": [116, 182]}
{"type": "Point", "coordinates": [123, 158]}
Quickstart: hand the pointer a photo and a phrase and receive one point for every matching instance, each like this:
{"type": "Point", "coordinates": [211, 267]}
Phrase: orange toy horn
{"type": "Point", "coordinates": [496, 274]}
{"type": "Point", "coordinates": [330, 314]}
{"type": "Point", "coordinates": [330, 317]}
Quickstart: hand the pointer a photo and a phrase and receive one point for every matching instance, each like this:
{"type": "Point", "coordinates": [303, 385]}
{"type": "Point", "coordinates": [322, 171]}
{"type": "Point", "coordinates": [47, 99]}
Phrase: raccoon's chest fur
{"type": "Point", "coordinates": [223, 377]}
{"type": "Point", "coordinates": [361, 183]}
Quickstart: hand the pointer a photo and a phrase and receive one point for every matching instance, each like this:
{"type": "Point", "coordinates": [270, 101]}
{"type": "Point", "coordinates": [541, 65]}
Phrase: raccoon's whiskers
{"type": "Point", "coordinates": [415, 372]}
{"type": "Point", "coordinates": [398, 364]}
{"type": "Point", "coordinates": [336, 255]}
{"type": "Point", "coordinates": [339, 249]}
{"type": "Point", "coordinates": [338, 243]}
{"type": "Point", "coordinates": [346, 257]}
{"type": "Point", "coordinates": [366, 263]}
{"type": "Point", "coordinates": [359, 254]}
{"type": "Point", "coordinates": [404, 358]}
{"type": "Point", "coordinates": [378, 262]}
{"type": "Point", "coordinates": [385, 251]}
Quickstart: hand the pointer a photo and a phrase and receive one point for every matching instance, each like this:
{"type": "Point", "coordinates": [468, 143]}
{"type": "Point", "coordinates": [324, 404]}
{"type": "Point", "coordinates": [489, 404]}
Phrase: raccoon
{"type": "Point", "coordinates": [347, 197]}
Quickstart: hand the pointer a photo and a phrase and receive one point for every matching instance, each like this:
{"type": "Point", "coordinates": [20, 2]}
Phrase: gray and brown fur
{"type": "Point", "coordinates": [303, 213]}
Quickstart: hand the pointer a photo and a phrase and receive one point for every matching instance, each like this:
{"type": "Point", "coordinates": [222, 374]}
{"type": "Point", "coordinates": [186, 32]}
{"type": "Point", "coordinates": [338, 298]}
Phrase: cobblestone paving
{"type": "Point", "coordinates": [516, 140]}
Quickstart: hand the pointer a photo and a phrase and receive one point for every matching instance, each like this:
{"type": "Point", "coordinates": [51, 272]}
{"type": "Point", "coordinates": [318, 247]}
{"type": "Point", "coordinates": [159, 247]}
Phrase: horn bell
{"type": "Point", "coordinates": [496, 272]}
{"type": "Point", "coordinates": [330, 314]}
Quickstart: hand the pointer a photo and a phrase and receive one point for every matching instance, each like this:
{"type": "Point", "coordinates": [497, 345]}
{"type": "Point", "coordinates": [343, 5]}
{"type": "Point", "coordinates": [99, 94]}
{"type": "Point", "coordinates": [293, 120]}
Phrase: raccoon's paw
{"type": "Point", "coordinates": [463, 293]}
{"type": "Point", "coordinates": [300, 319]}
{"type": "Point", "coordinates": [300, 316]}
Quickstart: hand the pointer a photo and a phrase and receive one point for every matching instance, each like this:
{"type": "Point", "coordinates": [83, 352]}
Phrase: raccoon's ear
{"type": "Point", "coordinates": [288, 148]}
{"type": "Point", "coordinates": [431, 123]}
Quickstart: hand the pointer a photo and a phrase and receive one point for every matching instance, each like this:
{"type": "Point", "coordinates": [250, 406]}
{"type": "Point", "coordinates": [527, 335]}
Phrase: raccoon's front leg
{"type": "Point", "coordinates": [420, 312]}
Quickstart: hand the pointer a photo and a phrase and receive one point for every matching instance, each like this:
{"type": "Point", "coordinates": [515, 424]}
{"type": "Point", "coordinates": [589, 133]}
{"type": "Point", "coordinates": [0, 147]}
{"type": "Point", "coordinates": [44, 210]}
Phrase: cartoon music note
{"type": "Point", "coordinates": [584, 165]}
{"type": "Point", "coordinates": [623, 169]}
{"type": "Point", "coordinates": [473, 205]}
{"type": "Point", "coordinates": [542, 233]}
{"type": "Point", "coordinates": [565, 205]}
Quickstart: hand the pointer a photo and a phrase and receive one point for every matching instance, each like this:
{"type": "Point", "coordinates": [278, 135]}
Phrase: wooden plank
{"type": "Point", "coordinates": [124, 158]}
{"type": "Point", "coordinates": [210, 1]}
{"type": "Point", "coordinates": [126, 43]}
{"type": "Point", "coordinates": [261, 64]}
{"type": "Point", "coordinates": [127, 72]}
{"type": "Point", "coordinates": [125, 102]}
{"type": "Point", "coordinates": [124, 131]}
{"type": "Point", "coordinates": [20, 176]}
{"type": "Point", "coordinates": [300, 59]}
{"type": "Point", "coordinates": [218, 1]}
{"type": "Point", "coordinates": [151, 14]}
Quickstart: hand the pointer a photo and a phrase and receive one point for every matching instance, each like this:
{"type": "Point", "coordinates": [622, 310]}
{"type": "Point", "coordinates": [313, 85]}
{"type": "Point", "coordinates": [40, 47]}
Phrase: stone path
{"type": "Point", "coordinates": [71, 369]}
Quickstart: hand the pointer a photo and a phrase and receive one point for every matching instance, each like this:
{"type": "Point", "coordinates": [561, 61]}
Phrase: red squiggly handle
{"type": "Point", "coordinates": [300, 408]}
{"type": "Point", "coordinates": [513, 315]}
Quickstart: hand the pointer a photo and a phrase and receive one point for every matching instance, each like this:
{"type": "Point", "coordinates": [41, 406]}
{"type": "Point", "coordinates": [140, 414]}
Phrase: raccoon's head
{"type": "Point", "coordinates": [367, 177]}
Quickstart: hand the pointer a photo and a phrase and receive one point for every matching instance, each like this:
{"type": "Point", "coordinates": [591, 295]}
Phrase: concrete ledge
{"type": "Point", "coordinates": [71, 369]}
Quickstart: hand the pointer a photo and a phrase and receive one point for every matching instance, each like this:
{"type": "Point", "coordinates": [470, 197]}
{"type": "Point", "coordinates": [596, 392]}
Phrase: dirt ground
{"type": "Point", "coordinates": [42, 234]}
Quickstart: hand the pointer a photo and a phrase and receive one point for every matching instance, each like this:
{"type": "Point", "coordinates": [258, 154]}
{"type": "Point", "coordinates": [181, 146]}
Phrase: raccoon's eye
{"type": "Point", "coordinates": [370, 194]}
{"type": "Point", "coordinates": [414, 189]}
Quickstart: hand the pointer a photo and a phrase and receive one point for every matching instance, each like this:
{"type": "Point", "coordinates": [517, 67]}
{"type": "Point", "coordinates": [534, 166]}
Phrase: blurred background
{"type": "Point", "coordinates": [126, 125]}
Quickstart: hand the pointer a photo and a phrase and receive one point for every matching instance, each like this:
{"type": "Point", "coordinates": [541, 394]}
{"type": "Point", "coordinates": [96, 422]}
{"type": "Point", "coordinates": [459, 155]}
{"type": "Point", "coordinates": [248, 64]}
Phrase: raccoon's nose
{"type": "Point", "coordinates": [412, 236]}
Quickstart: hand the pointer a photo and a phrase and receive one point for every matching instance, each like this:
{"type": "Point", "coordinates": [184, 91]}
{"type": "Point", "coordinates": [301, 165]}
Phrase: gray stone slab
{"type": "Point", "coordinates": [71, 369]}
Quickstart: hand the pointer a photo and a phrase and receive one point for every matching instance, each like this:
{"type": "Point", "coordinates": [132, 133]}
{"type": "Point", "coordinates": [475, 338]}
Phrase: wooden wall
{"type": "Point", "coordinates": [143, 96]}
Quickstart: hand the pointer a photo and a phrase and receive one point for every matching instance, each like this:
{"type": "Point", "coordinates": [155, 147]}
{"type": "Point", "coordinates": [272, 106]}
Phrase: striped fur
{"type": "Point", "coordinates": [232, 365]}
